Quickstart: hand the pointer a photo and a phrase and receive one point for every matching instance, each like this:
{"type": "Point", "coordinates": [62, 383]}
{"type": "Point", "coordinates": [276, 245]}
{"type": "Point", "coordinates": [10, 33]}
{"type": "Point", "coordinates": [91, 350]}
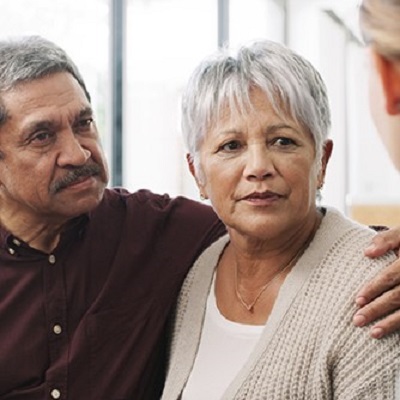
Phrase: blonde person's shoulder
{"type": "Point", "coordinates": [363, 368]}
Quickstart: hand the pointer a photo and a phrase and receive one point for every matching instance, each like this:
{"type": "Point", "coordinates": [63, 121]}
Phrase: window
{"type": "Point", "coordinates": [165, 39]}
{"type": "Point", "coordinates": [79, 27]}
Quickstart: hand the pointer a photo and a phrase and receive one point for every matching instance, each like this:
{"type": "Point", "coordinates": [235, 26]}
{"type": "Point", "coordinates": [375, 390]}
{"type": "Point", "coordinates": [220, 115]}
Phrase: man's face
{"type": "Point", "coordinates": [52, 167]}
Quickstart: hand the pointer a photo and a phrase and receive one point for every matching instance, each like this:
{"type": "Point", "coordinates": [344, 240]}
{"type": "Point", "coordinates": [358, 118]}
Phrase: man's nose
{"type": "Point", "coordinates": [72, 151]}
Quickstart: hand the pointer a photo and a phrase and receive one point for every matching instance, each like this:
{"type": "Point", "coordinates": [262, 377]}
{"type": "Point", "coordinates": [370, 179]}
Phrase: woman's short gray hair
{"type": "Point", "coordinates": [26, 58]}
{"type": "Point", "coordinates": [292, 85]}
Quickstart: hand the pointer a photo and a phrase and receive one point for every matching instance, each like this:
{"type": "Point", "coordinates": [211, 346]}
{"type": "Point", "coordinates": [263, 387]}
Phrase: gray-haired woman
{"type": "Point", "coordinates": [265, 312]}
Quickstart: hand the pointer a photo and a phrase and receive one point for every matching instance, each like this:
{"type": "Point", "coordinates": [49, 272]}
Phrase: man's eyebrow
{"type": "Point", "coordinates": [87, 111]}
{"type": "Point", "coordinates": [34, 126]}
{"type": "Point", "coordinates": [38, 125]}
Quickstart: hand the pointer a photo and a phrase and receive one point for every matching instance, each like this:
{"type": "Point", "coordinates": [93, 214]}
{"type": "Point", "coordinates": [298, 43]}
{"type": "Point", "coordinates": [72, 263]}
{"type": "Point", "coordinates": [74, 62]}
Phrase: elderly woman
{"type": "Point", "coordinates": [380, 24]}
{"type": "Point", "coordinates": [265, 312]}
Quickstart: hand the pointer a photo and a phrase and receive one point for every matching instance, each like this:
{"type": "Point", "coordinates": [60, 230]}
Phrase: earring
{"type": "Point", "coordinates": [202, 197]}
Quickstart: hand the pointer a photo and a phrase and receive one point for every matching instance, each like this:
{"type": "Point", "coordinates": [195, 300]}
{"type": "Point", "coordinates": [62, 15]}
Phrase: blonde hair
{"type": "Point", "coordinates": [380, 25]}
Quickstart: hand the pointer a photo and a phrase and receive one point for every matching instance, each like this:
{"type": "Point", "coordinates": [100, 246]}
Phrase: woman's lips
{"type": "Point", "coordinates": [262, 198]}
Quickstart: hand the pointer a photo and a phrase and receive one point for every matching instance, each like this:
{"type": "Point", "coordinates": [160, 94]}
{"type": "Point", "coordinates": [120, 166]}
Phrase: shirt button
{"type": "Point", "coordinates": [52, 259]}
{"type": "Point", "coordinates": [16, 242]}
{"type": "Point", "coordinates": [57, 329]}
{"type": "Point", "coordinates": [55, 394]}
{"type": "Point", "coordinates": [11, 251]}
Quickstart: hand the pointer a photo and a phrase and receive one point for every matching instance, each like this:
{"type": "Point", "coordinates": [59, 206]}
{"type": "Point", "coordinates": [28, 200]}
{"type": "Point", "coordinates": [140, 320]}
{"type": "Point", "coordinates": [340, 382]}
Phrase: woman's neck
{"type": "Point", "coordinates": [250, 272]}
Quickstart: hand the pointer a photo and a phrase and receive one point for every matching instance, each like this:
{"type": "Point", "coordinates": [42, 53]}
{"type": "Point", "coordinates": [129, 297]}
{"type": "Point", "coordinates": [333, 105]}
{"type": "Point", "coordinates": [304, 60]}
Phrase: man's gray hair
{"type": "Point", "coordinates": [291, 84]}
{"type": "Point", "coordinates": [26, 58]}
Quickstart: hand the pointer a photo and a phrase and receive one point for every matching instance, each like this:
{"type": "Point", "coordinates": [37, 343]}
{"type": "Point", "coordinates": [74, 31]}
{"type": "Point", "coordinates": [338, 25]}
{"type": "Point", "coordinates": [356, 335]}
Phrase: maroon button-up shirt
{"type": "Point", "coordinates": [88, 321]}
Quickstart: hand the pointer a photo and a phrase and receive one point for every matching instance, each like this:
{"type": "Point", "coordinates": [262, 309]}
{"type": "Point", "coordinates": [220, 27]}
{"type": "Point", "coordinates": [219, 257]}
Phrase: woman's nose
{"type": "Point", "coordinates": [259, 163]}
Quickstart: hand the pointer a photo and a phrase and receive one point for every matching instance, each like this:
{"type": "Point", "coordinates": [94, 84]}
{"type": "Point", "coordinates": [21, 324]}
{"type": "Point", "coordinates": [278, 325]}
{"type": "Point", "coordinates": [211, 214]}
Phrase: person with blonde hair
{"type": "Point", "coordinates": [380, 26]}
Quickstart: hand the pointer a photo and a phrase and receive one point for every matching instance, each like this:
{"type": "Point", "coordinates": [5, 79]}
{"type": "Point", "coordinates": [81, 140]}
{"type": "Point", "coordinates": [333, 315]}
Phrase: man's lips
{"type": "Point", "coordinates": [76, 176]}
{"type": "Point", "coordinates": [79, 180]}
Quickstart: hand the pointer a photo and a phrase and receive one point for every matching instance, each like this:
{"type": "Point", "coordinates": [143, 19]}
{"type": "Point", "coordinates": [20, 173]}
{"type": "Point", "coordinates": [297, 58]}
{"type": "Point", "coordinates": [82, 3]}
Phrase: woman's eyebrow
{"type": "Point", "coordinates": [277, 127]}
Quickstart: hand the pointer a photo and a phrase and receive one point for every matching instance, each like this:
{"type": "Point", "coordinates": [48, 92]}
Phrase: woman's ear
{"type": "Point", "coordinates": [189, 160]}
{"type": "Point", "coordinates": [196, 174]}
{"type": "Point", "coordinates": [389, 74]}
{"type": "Point", "coordinates": [326, 155]}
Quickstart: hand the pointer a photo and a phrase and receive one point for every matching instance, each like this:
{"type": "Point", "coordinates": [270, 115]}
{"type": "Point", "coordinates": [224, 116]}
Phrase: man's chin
{"type": "Point", "coordinates": [77, 202]}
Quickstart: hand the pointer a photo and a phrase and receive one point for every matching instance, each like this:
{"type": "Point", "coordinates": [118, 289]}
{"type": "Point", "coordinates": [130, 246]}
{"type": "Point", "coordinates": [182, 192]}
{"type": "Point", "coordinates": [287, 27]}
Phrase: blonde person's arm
{"type": "Point", "coordinates": [381, 296]}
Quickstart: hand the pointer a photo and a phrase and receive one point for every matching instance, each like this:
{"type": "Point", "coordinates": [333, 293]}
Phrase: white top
{"type": "Point", "coordinates": [224, 348]}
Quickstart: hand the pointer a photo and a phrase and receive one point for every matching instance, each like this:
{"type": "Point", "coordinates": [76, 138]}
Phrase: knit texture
{"type": "Point", "coordinates": [309, 348]}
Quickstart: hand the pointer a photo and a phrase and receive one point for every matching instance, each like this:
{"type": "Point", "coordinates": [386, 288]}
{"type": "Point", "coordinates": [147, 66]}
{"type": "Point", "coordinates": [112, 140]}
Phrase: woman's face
{"type": "Point", "coordinates": [387, 125]}
{"type": "Point", "coordinates": [259, 171]}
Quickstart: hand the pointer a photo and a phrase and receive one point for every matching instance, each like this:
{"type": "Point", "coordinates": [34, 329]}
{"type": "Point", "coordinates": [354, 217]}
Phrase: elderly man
{"type": "Point", "coordinates": [88, 275]}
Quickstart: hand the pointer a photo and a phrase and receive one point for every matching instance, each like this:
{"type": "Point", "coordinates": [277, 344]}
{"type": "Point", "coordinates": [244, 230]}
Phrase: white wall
{"type": "Point", "coordinates": [312, 34]}
{"type": "Point", "coordinates": [359, 171]}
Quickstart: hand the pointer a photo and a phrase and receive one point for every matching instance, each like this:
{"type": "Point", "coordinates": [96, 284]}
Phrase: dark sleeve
{"type": "Point", "coordinates": [170, 231]}
{"type": "Point", "coordinates": [191, 223]}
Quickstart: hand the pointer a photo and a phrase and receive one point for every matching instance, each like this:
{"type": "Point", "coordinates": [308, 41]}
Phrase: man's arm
{"type": "Point", "coordinates": [381, 296]}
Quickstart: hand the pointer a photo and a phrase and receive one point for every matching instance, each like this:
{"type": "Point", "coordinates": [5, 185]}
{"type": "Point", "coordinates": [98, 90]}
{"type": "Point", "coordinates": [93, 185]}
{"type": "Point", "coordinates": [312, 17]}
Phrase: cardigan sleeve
{"type": "Point", "coordinates": [366, 368]}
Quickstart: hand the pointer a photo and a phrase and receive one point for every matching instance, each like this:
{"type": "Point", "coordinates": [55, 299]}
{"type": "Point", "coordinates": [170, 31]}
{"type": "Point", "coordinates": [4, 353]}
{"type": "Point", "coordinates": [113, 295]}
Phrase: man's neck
{"type": "Point", "coordinates": [41, 235]}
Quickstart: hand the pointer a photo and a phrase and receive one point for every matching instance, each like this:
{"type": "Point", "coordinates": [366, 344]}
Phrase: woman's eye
{"type": "Point", "coordinates": [283, 142]}
{"type": "Point", "coordinates": [231, 146]}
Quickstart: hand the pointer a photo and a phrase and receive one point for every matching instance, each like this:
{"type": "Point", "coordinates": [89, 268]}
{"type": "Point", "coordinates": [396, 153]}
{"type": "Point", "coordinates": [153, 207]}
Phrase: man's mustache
{"type": "Point", "coordinates": [74, 176]}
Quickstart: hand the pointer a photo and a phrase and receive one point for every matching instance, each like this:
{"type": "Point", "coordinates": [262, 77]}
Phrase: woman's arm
{"type": "Point", "coordinates": [381, 296]}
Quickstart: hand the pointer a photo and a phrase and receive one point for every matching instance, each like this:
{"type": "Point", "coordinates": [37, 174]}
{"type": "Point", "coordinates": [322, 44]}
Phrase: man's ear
{"type": "Point", "coordinates": [389, 73]}
{"type": "Point", "coordinates": [326, 155]}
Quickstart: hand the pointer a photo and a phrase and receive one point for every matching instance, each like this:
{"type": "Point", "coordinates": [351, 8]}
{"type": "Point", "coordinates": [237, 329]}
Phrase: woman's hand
{"type": "Point", "coordinates": [381, 296]}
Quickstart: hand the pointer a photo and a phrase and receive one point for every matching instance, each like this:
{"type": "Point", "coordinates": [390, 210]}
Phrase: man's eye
{"type": "Point", "coordinates": [42, 137]}
{"type": "Point", "coordinates": [231, 146]}
{"type": "Point", "coordinates": [85, 123]}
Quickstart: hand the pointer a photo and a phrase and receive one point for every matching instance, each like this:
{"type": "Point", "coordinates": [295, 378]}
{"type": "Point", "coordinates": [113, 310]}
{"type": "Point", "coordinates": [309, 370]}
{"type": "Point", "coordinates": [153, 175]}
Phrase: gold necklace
{"type": "Point", "coordinates": [250, 306]}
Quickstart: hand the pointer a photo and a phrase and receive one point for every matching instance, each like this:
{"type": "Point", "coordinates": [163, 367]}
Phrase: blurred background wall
{"type": "Point", "coordinates": [137, 54]}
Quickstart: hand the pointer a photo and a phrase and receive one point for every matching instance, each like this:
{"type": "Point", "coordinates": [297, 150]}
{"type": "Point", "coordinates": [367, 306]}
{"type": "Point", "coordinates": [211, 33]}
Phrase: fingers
{"type": "Point", "coordinates": [387, 279]}
{"type": "Point", "coordinates": [383, 242]}
{"type": "Point", "coordinates": [388, 325]}
{"type": "Point", "coordinates": [381, 296]}
{"type": "Point", "coordinates": [389, 302]}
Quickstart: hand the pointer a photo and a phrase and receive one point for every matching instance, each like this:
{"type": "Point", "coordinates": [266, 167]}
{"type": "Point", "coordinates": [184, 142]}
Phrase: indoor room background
{"type": "Point", "coordinates": [136, 56]}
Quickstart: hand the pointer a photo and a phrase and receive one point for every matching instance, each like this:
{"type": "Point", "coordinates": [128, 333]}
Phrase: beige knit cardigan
{"type": "Point", "coordinates": [309, 348]}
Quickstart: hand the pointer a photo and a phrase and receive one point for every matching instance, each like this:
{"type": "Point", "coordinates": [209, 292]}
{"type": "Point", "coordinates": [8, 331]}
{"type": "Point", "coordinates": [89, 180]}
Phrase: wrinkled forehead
{"type": "Point", "coordinates": [231, 106]}
{"type": "Point", "coordinates": [54, 96]}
